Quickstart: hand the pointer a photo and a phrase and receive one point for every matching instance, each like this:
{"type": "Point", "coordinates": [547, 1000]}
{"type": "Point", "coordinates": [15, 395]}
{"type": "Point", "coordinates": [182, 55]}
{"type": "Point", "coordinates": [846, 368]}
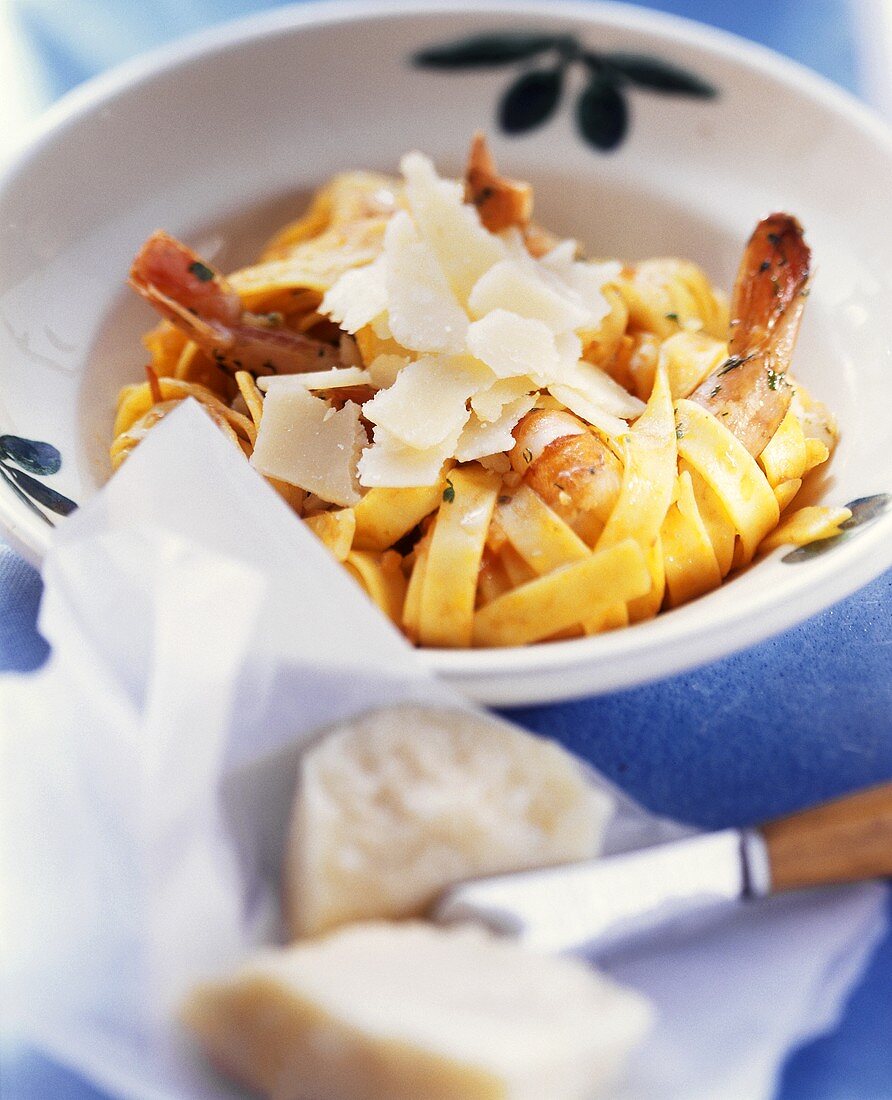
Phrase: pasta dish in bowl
{"type": "Point", "coordinates": [503, 441]}
{"type": "Point", "coordinates": [515, 444]}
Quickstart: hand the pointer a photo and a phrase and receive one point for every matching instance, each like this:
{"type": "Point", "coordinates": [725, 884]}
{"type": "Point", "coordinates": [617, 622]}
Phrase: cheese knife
{"type": "Point", "coordinates": [601, 904]}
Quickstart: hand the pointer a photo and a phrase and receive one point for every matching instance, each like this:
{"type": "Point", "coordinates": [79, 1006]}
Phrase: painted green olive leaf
{"type": "Point", "coordinates": [31, 455]}
{"type": "Point", "coordinates": [41, 493]}
{"type": "Point", "coordinates": [864, 511]}
{"type": "Point", "coordinates": [23, 497]}
{"type": "Point", "coordinates": [602, 114]}
{"type": "Point", "coordinates": [484, 51]}
{"type": "Point", "coordinates": [655, 74]}
{"type": "Point", "coordinates": [602, 108]}
{"type": "Point", "coordinates": [19, 458]}
{"type": "Point", "coordinates": [531, 100]}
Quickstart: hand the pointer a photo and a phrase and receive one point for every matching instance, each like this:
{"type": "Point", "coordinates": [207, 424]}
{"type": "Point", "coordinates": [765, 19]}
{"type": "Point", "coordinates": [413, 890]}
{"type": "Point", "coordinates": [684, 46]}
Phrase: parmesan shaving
{"type": "Point", "coordinates": [600, 389]}
{"type": "Point", "coordinates": [480, 438]}
{"type": "Point", "coordinates": [384, 370]}
{"type": "Point", "coordinates": [303, 441]}
{"type": "Point", "coordinates": [464, 249]}
{"type": "Point", "coordinates": [511, 345]}
{"type": "Point", "coordinates": [522, 290]}
{"type": "Point", "coordinates": [590, 412]}
{"type": "Point", "coordinates": [424, 314]}
{"type": "Point", "coordinates": [428, 402]}
{"type": "Point", "coordinates": [358, 297]}
{"type": "Point", "coordinates": [587, 280]}
{"type": "Point", "coordinates": [316, 380]}
{"type": "Point", "coordinates": [489, 403]}
{"type": "Point", "coordinates": [392, 464]}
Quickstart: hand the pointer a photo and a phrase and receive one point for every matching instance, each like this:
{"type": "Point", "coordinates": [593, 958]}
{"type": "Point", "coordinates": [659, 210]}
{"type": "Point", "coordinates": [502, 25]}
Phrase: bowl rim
{"type": "Point", "coordinates": [643, 652]}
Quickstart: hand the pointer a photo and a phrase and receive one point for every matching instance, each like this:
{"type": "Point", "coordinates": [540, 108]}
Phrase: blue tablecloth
{"type": "Point", "coordinates": [799, 718]}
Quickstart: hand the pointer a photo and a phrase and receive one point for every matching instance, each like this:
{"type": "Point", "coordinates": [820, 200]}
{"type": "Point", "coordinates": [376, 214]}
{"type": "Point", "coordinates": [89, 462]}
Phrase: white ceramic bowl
{"type": "Point", "coordinates": [217, 138]}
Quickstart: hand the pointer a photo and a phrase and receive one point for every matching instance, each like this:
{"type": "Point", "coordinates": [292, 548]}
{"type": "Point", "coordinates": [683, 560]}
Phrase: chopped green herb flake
{"type": "Point", "coordinates": [449, 492]}
{"type": "Point", "coordinates": [775, 378]}
{"type": "Point", "coordinates": [672, 317]}
{"type": "Point", "coordinates": [201, 271]}
{"type": "Point", "coordinates": [715, 390]}
{"type": "Point", "coordinates": [679, 432]}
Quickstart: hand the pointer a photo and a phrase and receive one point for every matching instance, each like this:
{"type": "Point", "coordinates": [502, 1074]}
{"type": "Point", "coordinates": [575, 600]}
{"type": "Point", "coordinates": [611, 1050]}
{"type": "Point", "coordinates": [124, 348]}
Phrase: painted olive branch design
{"type": "Point", "coordinates": [19, 459]}
{"type": "Point", "coordinates": [864, 511]}
{"type": "Point", "coordinates": [602, 109]}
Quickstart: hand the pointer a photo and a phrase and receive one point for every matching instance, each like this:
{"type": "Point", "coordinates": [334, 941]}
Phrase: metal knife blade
{"type": "Point", "coordinates": [602, 902]}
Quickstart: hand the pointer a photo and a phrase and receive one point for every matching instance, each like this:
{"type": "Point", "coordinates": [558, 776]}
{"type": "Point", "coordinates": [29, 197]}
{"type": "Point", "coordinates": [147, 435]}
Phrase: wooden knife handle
{"type": "Point", "coordinates": [847, 840]}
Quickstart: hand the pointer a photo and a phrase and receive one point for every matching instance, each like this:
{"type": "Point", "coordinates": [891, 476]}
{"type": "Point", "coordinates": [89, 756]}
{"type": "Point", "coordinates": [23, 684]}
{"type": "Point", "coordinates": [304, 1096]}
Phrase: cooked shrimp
{"type": "Point", "coordinates": [202, 304]}
{"type": "Point", "coordinates": [749, 392]}
{"type": "Point", "coordinates": [578, 476]}
{"type": "Point", "coordinates": [562, 460]}
{"type": "Point", "coordinates": [501, 202]}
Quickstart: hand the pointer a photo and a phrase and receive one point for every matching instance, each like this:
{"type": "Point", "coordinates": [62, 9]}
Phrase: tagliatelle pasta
{"type": "Point", "coordinates": [458, 536]}
{"type": "Point", "coordinates": [502, 441]}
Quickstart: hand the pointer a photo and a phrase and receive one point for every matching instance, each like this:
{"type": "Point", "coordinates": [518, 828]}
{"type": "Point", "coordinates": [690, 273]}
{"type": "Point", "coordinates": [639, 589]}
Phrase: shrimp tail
{"type": "Point", "coordinates": [166, 272]}
{"type": "Point", "coordinates": [769, 290]}
{"type": "Point", "coordinates": [749, 392]}
{"type": "Point", "coordinates": [201, 303]}
{"type": "Point", "coordinates": [501, 202]}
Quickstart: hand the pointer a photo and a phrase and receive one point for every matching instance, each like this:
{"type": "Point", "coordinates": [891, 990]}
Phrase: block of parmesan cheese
{"type": "Point", "coordinates": [411, 1011]}
{"type": "Point", "coordinates": [403, 802]}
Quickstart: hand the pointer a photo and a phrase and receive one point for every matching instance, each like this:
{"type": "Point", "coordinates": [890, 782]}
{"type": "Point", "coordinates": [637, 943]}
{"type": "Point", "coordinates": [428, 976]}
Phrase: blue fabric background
{"type": "Point", "coordinates": [801, 717]}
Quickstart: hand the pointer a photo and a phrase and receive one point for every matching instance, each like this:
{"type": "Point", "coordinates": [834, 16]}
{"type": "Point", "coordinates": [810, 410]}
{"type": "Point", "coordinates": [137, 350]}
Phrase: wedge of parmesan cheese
{"type": "Point", "coordinates": [304, 442]}
{"type": "Point", "coordinates": [410, 1011]}
{"type": "Point", "coordinates": [403, 802]}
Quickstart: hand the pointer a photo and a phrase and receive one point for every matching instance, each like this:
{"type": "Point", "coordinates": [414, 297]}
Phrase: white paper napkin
{"type": "Point", "coordinates": [200, 636]}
